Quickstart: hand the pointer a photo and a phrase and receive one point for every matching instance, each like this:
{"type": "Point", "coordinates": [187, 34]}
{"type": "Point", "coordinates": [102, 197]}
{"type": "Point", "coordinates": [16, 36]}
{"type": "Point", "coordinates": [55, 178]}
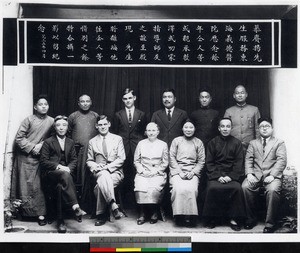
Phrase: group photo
{"type": "Point", "coordinates": [150, 149]}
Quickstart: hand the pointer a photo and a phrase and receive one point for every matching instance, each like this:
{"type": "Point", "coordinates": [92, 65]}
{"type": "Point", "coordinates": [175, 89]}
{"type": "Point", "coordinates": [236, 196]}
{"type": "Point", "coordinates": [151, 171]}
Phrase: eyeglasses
{"type": "Point", "coordinates": [265, 126]}
{"type": "Point", "coordinates": [60, 117]}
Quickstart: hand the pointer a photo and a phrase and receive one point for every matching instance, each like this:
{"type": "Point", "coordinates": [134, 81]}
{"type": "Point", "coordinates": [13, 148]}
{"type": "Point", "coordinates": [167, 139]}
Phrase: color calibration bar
{"type": "Point", "coordinates": [140, 244]}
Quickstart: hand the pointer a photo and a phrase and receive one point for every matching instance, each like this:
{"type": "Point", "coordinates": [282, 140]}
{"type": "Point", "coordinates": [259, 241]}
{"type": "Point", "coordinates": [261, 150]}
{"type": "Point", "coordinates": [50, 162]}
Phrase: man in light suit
{"type": "Point", "coordinates": [58, 163]}
{"type": "Point", "coordinates": [265, 161]}
{"type": "Point", "coordinates": [106, 156]}
{"type": "Point", "coordinates": [130, 124]}
{"type": "Point", "coordinates": [169, 119]}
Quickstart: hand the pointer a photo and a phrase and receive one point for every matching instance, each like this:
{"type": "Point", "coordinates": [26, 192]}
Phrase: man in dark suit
{"type": "Point", "coordinates": [169, 119]}
{"type": "Point", "coordinates": [58, 161]}
{"type": "Point", "coordinates": [205, 118]}
{"type": "Point", "coordinates": [265, 161]}
{"type": "Point", "coordinates": [130, 124]}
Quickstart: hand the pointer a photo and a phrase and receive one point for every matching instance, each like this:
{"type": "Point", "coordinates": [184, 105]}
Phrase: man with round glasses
{"type": "Point", "coordinates": [264, 164]}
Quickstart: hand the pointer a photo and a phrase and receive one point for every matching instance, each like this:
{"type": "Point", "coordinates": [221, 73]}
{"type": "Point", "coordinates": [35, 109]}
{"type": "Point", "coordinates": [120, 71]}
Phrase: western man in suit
{"type": "Point", "coordinates": [265, 161]}
{"type": "Point", "coordinates": [130, 124]}
{"type": "Point", "coordinates": [106, 156]}
{"type": "Point", "coordinates": [169, 119]}
{"type": "Point", "coordinates": [58, 161]}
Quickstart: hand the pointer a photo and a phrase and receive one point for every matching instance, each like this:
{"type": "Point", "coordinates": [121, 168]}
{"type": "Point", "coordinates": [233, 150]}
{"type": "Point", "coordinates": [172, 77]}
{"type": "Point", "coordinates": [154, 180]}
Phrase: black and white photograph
{"type": "Point", "coordinates": [149, 118]}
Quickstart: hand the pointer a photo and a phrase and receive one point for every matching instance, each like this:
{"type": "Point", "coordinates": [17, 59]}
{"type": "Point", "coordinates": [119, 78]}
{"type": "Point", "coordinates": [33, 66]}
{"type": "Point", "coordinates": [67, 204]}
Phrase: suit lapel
{"type": "Point", "coordinates": [124, 118]}
{"type": "Point", "coordinates": [164, 118]}
{"type": "Point", "coordinates": [67, 148]}
{"type": "Point", "coordinates": [56, 145]}
{"type": "Point", "coordinates": [260, 147]}
{"type": "Point", "coordinates": [175, 117]}
{"type": "Point", "coordinates": [135, 118]}
{"type": "Point", "coordinates": [98, 143]}
{"type": "Point", "coordinates": [269, 146]}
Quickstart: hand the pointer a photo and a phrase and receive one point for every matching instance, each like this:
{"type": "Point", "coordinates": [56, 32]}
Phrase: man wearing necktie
{"type": "Point", "coordinates": [169, 119]}
{"type": "Point", "coordinates": [130, 124]}
{"type": "Point", "coordinates": [264, 164]}
{"type": "Point", "coordinates": [106, 156]}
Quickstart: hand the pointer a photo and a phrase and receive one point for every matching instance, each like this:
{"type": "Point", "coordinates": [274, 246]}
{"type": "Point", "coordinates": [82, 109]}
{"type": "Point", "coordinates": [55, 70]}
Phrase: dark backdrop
{"type": "Point", "coordinates": [64, 85]}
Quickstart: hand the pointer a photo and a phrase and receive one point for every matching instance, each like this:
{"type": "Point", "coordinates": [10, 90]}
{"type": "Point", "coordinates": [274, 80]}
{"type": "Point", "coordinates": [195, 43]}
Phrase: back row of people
{"type": "Point", "coordinates": [130, 124]}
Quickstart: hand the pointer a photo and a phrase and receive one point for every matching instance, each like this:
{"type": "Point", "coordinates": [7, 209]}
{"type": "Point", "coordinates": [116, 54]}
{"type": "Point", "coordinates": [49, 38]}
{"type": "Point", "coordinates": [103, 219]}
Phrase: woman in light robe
{"type": "Point", "coordinates": [26, 180]}
{"type": "Point", "coordinates": [187, 158]}
{"type": "Point", "coordinates": [151, 161]}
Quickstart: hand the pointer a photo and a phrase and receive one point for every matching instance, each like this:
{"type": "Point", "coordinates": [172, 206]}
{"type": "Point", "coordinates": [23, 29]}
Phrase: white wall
{"type": "Point", "coordinates": [16, 103]}
{"type": "Point", "coordinates": [285, 111]}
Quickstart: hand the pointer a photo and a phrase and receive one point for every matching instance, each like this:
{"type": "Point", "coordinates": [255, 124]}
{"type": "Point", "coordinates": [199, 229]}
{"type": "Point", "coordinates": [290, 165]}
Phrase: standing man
{"type": "Point", "coordinates": [58, 161]}
{"type": "Point", "coordinates": [244, 117]}
{"type": "Point", "coordinates": [81, 130]}
{"type": "Point", "coordinates": [106, 156]}
{"type": "Point", "coordinates": [224, 195]}
{"type": "Point", "coordinates": [130, 124]}
{"type": "Point", "coordinates": [205, 118]}
{"type": "Point", "coordinates": [169, 119]}
{"type": "Point", "coordinates": [265, 161]}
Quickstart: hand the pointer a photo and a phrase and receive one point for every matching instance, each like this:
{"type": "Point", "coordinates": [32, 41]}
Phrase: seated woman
{"type": "Point", "coordinates": [151, 161]}
{"type": "Point", "coordinates": [187, 158]}
{"type": "Point", "coordinates": [58, 162]}
{"type": "Point", "coordinates": [26, 180]}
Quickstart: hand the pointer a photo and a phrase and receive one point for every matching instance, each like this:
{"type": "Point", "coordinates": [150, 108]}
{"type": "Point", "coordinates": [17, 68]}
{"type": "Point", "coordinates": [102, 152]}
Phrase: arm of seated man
{"type": "Point", "coordinates": [269, 179]}
{"type": "Point", "coordinates": [63, 168]}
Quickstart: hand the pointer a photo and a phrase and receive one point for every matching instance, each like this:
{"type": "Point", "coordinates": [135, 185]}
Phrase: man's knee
{"type": "Point", "coordinates": [65, 176]}
{"type": "Point", "coordinates": [274, 187]}
{"type": "Point", "coordinates": [247, 187]}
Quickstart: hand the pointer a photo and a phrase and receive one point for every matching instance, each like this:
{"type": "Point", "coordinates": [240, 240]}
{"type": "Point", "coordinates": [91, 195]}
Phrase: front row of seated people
{"type": "Point", "coordinates": [226, 195]}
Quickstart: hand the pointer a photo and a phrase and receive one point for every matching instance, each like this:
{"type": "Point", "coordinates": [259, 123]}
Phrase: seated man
{"type": "Point", "coordinates": [106, 156]}
{"type": "Point", "coordinates": [58, 160]}
{"type": "Point", "coordinates": [224, 162]}
{"type": "Point", "coordinates": [265, 162]}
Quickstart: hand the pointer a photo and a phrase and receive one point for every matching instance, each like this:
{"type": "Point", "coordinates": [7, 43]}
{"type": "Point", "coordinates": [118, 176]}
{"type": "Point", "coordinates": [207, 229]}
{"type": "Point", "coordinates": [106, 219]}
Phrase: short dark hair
{"type": "Point", "coordinates": [205, 89]}
{"type": "Point", "coordinates": [225, 118]}
{"type": "Point", "coordinates": [82, 96]}
{"type": "Point", "coordinates": [58, 117]}
{"type": "Point", "coordinates": [128, 90]}
{"type": "Point", "coordinates": [188, 120]}
{"type": "Point", "coordinates": [268, 119]}
{"type": "Point", "coordinates": [240, 85]}
{"type": "Point", "coordinates": [169, 90]}
{"type": "Point", "coordinates": [101, 117]}
{"type": "Point", "coordinates": [38, 97]}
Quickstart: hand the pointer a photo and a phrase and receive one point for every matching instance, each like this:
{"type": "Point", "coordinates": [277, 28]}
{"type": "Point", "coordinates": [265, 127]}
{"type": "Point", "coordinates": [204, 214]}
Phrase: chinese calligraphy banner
{"type": "Point", "coordinates": [203, 43]}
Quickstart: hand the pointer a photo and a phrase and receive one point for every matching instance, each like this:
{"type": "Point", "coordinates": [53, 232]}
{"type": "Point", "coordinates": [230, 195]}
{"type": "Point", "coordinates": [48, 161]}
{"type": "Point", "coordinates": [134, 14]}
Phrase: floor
{"type": "Point", "coordinates": [128, 225]}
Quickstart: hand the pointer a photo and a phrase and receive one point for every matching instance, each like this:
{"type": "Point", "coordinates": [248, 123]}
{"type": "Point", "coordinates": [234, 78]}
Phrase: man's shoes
{"type": "Point", "coordinates": [235, 226]}
{"type": "Point", "coordinates": [141, 220]}
{"type": "Point", "coordinates": [249, 225]}
{"type": "Point", "coordinates": [153, 218]}
{"type": "Point", "coordinates": [79, 213]}
{"type": "Point", "coordinates": [42, 222]}
{"type": "Point", "coordinates": [61, 227]}
{"type": "Point", "coordinates": [269, 230]}
{"type": "Point", "coordinates": [190, 222]}
{"type": "Point", "coordinates": [210, 224]}
{"type": "Point", "coordinates": [100, 220]}
{"type": "Point", "coordinates": [117, 214]}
